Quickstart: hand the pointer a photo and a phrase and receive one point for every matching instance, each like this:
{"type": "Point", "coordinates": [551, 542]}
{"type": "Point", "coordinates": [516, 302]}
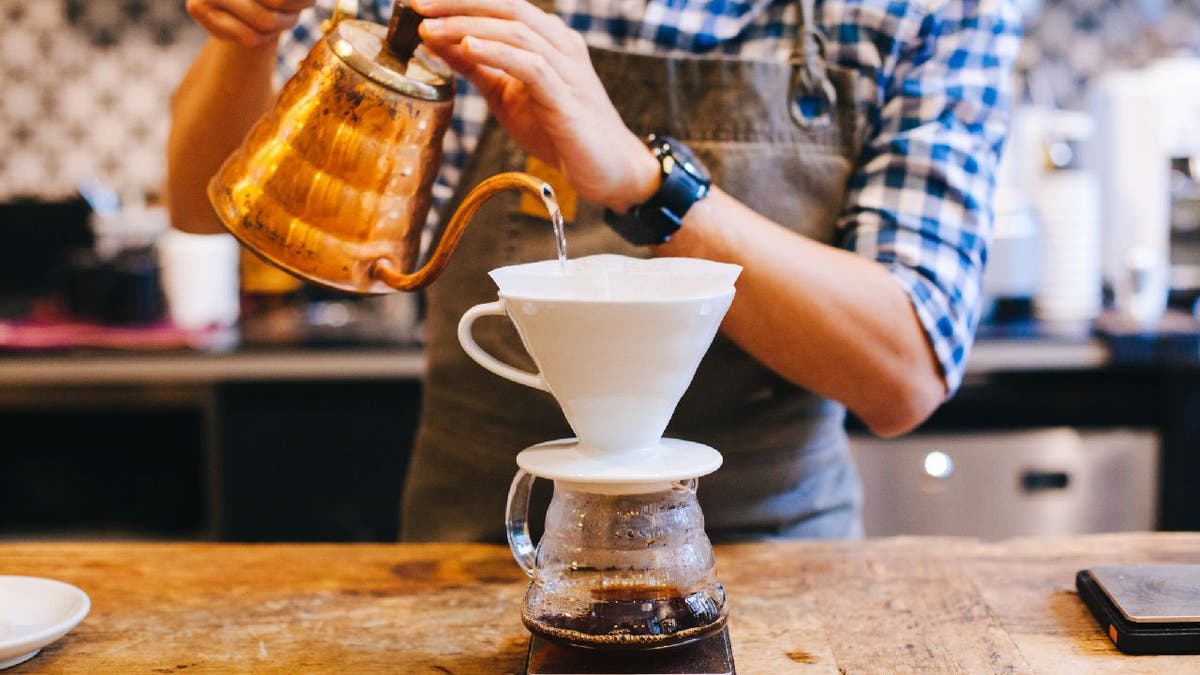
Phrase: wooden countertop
{"type": "Point", "coordinates": [919, 605]}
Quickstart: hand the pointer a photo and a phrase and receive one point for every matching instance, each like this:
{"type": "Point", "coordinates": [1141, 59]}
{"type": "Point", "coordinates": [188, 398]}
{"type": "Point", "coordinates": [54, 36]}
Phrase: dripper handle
{"type": "Point", "coordinates": [483, 358]}
{"type": "Point", "coordinates": [516, 521]}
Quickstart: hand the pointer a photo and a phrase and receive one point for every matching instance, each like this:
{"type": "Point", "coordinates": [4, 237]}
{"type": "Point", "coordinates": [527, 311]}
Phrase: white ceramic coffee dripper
{"type": "Point", "coordinates": [624, 562]}
{"type": "Point", "coordinates": [616, 341]}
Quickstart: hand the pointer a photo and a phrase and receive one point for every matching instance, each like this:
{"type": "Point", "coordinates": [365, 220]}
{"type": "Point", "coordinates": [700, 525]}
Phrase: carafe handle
{"type": "Point", "coordinates": [516, 521]}
{"type": "Point", "coordinates": [480, 355]}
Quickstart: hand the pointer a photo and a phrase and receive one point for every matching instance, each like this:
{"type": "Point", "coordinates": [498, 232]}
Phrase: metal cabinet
{"type": "Point", "coordinates": [993, 484]}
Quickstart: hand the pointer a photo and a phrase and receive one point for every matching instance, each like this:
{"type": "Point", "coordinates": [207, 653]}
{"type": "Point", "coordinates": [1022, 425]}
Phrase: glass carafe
{"type": "Point", "coordinates": [617, 570]}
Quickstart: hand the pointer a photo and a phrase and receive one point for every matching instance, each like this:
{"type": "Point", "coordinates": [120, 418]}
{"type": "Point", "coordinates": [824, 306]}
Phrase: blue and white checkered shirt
{"type": "Point", "coordinates": [920, 199]}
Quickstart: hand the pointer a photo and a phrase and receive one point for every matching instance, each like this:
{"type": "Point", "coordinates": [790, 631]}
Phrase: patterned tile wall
{"type": "Point", "coordinates": [85, 88]}
{"type": "Point", "coordinates": [1073, 40]}
{"type": "Point", "coordinates": [85, 84]}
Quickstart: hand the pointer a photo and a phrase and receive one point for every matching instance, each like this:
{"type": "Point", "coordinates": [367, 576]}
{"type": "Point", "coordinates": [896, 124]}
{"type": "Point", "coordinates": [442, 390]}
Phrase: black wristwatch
{"type": "Point", "coordinates": [685, 181]}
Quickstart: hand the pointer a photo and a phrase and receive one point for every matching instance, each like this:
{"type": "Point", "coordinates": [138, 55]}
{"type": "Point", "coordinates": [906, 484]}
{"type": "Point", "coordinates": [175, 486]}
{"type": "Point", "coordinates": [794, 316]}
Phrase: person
{"type": "Point", "coordinates": [852, 146]}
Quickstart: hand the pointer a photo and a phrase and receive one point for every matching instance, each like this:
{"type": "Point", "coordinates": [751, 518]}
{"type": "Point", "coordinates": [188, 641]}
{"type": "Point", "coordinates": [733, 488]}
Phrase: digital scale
{"type": "Point", "coordinates": [709, 656]}
{"type": "Point", "coordinates": [1145, 609]}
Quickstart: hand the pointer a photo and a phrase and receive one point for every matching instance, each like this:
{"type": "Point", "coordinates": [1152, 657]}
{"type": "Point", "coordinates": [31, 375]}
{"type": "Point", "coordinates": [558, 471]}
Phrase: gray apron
{"type": "Point", "coordinates": [787, 471]}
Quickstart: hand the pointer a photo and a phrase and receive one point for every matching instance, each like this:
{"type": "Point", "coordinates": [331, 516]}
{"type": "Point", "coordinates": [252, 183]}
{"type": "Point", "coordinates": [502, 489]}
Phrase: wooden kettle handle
{"type": "Point", "coordinates": [402, 36]}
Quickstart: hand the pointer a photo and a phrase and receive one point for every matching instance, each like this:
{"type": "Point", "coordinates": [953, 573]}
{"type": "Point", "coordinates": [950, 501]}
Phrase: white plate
{"type": "Point", "coordinates": [35, 612]}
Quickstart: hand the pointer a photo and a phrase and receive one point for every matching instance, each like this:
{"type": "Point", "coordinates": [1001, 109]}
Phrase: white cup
{"type": "Point", "coordinates": [199, 277]}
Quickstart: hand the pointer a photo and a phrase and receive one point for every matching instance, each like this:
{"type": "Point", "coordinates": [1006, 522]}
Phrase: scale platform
{"type": "Point", "coordinates": [709, 656]}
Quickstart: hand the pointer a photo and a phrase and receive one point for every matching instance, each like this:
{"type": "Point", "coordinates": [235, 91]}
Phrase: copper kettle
{"type": "Point", "coordinates": [334, 183]}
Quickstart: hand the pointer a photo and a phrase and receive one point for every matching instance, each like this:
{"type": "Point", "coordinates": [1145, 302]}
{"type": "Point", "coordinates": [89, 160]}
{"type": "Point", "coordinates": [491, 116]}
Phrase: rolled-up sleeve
{"type": "Point", "coordinates": [920, 201]}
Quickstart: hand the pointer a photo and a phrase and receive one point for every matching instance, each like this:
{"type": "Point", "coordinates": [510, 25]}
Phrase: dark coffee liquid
{"type": "Point", "coordinates": [634, 617]}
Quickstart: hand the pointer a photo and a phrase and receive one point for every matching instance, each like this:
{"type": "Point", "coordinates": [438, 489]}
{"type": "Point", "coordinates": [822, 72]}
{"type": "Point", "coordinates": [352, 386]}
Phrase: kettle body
{"type": "Point", "coordinates": [335, 181]}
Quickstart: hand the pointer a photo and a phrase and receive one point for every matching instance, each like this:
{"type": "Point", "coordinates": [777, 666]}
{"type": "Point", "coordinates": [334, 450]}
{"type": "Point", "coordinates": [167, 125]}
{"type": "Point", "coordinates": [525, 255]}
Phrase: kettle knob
{"type": "Point", "coordinates": [402, 36]}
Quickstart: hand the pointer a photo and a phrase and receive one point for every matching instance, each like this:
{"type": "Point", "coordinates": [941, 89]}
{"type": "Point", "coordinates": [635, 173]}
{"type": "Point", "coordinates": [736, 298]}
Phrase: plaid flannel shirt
{"type": "Point", "coordinates": [920, 198]}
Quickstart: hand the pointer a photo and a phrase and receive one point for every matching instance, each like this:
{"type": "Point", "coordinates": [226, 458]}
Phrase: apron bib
{"type": "Point", "coordinates": [787, 471]}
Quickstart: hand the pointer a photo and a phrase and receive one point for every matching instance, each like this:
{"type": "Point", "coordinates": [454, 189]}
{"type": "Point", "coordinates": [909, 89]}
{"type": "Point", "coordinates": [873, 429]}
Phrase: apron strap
{"type": "Point", "coordinates": [812, 96]}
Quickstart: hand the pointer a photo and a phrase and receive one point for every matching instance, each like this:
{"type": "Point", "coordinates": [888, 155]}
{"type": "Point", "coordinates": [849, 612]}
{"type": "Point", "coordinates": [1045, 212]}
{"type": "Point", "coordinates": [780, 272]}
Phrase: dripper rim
{"type": "Point", "coordinates": [732, 270]}
{"type": "Point", "coordinates": [622, 303]}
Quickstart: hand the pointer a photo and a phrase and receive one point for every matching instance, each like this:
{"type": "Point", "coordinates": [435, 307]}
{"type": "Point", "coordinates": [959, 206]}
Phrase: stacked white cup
{"type": "Point", "coordinates": [1067, 201]}
{"type": "Point", "coordinates": [199, 276]}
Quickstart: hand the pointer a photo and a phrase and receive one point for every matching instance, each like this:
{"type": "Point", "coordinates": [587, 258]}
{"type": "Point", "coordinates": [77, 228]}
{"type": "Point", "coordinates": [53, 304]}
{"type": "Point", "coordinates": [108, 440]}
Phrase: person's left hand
{"type": "Point", "coordinates": [538, 80]}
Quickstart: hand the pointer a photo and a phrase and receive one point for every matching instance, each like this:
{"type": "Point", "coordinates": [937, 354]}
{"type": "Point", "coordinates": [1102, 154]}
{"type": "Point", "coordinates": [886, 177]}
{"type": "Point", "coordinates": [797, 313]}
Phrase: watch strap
{"type": "Point", "coordinates": [655, 220]}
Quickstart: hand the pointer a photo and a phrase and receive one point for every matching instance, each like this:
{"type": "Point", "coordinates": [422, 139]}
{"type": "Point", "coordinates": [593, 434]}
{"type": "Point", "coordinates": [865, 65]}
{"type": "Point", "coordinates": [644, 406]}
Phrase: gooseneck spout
{"type": "Point", "coordinates": [385, 270]}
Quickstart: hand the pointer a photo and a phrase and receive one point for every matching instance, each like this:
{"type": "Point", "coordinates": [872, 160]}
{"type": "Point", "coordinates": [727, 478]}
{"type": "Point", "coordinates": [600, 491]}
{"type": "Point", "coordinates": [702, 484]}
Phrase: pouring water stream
{"type": "Point", "coordinates": [556, 217]}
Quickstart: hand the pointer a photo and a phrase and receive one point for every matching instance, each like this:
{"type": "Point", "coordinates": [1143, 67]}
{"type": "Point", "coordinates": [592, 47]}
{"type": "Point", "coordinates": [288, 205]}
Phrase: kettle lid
{"type": "Point", "coordinates": [391, 57]}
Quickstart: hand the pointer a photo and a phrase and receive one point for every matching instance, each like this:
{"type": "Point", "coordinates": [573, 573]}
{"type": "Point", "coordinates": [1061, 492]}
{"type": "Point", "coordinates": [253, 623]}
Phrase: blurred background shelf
{"type": "Point", "coordinates": [991, 355]}
{"type": "Point", "coordinates": [123, 368]}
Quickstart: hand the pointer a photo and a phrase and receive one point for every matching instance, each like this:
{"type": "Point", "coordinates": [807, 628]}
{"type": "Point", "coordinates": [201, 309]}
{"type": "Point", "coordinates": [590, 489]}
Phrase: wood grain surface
{"type": "Point", "coordinates": [903, 605]}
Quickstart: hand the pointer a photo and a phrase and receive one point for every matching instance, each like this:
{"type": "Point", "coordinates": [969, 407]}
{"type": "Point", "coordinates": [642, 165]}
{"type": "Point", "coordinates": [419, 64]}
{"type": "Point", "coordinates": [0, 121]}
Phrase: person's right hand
{"type": "Point", "coordinates": [249, 23]}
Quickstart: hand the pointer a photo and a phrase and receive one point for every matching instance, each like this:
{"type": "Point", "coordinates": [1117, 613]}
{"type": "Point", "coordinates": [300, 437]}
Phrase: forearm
{"type": "Point", "coordinates": [826, 319]}
{"type": "Point", "coordinates": [224, 92]}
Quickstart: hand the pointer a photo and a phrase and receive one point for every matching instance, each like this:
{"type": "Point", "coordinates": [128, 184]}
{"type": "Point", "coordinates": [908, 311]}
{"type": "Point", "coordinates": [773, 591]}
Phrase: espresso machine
{"type": "Point", "coordinates": [1147, 155]}
{"type": "Point", "coordinates": [624, 575]}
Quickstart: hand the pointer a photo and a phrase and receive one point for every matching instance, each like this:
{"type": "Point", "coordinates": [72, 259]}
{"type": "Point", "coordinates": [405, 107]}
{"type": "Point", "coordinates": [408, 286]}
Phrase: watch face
{"type": "Point", "coordinates": [684, 157]}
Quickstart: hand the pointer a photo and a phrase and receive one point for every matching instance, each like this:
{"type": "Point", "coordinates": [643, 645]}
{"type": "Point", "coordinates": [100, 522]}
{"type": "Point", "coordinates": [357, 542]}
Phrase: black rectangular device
{"type": "Point", "coordinates": [1145, 609]}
